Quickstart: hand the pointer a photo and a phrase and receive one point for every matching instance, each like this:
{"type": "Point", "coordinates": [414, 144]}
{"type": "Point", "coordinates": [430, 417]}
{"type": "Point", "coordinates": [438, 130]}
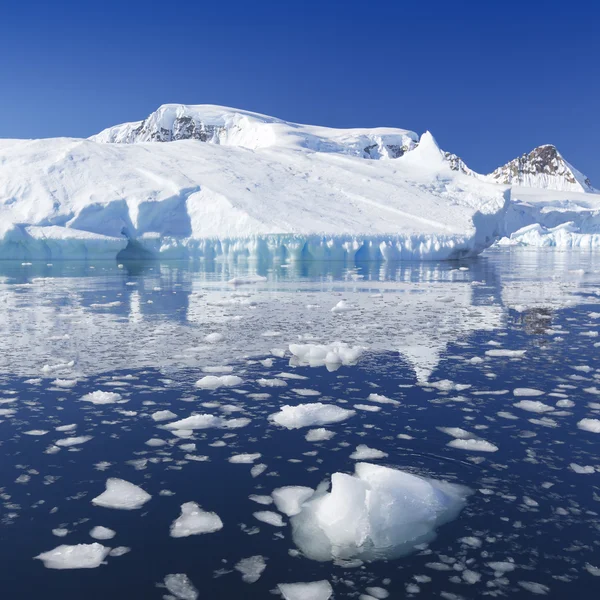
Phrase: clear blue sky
{"type": "Point", "coordinates": [491, 80]}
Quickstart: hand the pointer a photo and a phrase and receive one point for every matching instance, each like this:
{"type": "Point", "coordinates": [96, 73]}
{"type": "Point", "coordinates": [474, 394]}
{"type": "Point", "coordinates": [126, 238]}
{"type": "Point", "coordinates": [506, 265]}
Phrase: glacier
{"type": "Point", "coordinates": [211, 182]}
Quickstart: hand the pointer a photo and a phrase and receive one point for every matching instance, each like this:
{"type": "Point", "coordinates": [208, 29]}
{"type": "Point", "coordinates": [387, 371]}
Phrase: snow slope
{"type": "Point", "coordinates": [260, 186]}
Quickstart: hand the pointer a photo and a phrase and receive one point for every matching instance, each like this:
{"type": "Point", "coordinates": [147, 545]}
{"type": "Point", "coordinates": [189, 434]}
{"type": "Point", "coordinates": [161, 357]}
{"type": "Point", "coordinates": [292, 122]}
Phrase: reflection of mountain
{"type": "Point", "coordinates": [107, 318]}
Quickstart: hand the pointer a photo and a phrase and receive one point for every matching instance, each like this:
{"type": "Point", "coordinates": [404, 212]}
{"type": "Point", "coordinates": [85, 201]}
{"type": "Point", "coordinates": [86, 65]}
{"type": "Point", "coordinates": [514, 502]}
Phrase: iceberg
{"type": "Point", "coordinates": [79, 556]}
{"type": "Point", "coordinates": [377, 513]}
{"type": "Point", "coordinates": [231, 184]}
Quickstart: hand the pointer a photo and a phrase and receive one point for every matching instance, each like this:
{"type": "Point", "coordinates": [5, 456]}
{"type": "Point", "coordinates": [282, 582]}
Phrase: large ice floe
{"type": "Point", "coordinates": [231, 184]}
{"type": "Point", "coordinates": [377, 513]}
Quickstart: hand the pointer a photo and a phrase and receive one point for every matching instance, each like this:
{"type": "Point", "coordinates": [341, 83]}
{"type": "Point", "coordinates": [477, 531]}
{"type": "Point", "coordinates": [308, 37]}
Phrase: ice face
{"type": "Point", "coordinates": [80, 556]}
{"type": "Point", "coordinates": [195, 521]}
{"type": "Point", "coordinates": [377, 513]}
{"type": "Point", "coordinates": [122, 495]}
{"type": "Point", "coordinates": [307, 415]}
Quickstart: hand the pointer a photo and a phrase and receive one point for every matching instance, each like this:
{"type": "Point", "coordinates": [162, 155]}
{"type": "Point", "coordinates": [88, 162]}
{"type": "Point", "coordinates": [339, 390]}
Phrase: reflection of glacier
{"type": "Point", "coordinates": [106, 318]}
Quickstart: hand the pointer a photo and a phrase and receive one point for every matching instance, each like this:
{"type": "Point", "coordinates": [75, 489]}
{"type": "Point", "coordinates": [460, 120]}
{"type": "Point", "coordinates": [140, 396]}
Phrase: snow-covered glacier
{"type": "Point", "coordinates": [233, 184]}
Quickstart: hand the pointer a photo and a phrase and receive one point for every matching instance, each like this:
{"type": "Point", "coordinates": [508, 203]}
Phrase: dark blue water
{"type": "Point", "coordinates": [421, 324]}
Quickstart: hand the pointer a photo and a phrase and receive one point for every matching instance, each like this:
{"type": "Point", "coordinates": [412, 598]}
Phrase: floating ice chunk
{"type": "Point", "coordinates": [305, 392]}
{"type": "Point", "coordinates": [163, 415]}
{"type": "Point", "coordinates": [591, 425]}
{"type": "Point", "coordinates": [264, 500]}
{"type": "Point", "coordinates": [35, 432]}
{"type": "Point", "coordinates": [60, 532]}
{"type": "Point", "coordinates": [313, 590]}
{"type": "Point", "coordinates": [249, 279]}
{"type": "Point", "coordinates": [205, 421]}
{"type": "Point", "coordinates": [102, 533]}
{"type": "Point", "coordinates": [499, 352]}
{"type": "Point", "coordinates": [335, 354]}
{"type": "Point", "coordinates": [214, 338]}
{"type": "Point", "coordinates": [533, 406]}
{"type": "Point", "coordinates": [473, 445]}
{"type": "Point", "coordinates": [244, 458]}
{"type": "Point", "coordinates": [269, 517]}
{"type": "Point", "coordinates": [73, 441]}
{"type": "Point", "coordinates": [501, 567]}
{"type": "Point", "coordinates": [251, 568]}
{"type": "Point", "coordinates": [378, 592]}
{"type": "Point", "coordinates": [289, 499]}
{"type": "Point", "coordinates": [155, 442]}
{"type": "Point", "coordinates": [257, 470]}
{"type": "Point", "coordinates": [101, 397]}
{"type": "Point", "coordinates": [457, 432]}
{"type": "Point", "coordinates": [367, 407]}
{"type": "Point", "coordinates": [63, 428]}
{"type": "Point", "coordinates": [363, 452]}
{"type": "Point", "coordinates": [592, 570]}
{"type": "Point", "coordinates": [565, 403]}
{"type": "Point", "coordinates": [319, 435]}
{"type": "Point", "coordinates": [80, 556]}
{"type": "Point", "coordinates": [195, 521]}
{"type": "Point", "coordinates": [534, 587]}
{"type": "Point", "coordinates": [587, 470]}
{"type": "Point", "coordinates": [382, 399]}
{"type": "Point", "coordinates": [527, 392]}
{"type": "Point", "coordinates": [306, 415]}
{"type": "Point", "coordinates": [377, 513]}
{"type": "Point", "coordinates": [181, 587]}
{"type": "Point", "coordinates": [64, 383]}
{"type": "Point", "coordinates": [122, 495]}
{"type": "Point", "coordinates": [219, 369]}
{"type": "Point", "coordinates": [213, 382]}
{"type": "Point", "coordinates": [342, 306]}
{"type": "Point", "coordinates": [271, 382]}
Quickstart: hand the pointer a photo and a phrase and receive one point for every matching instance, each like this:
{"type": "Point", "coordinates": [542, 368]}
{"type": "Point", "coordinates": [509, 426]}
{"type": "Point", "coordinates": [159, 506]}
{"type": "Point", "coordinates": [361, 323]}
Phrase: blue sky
{"type": "Point", "coordinates": [490, 80]}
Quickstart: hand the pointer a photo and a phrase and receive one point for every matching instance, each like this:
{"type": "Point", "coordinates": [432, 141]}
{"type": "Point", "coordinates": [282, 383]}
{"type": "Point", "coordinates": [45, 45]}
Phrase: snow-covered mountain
{"type": "Point", "coordinates": [233, 127]}
{"type": "Point", "coordinates": [544, 167]}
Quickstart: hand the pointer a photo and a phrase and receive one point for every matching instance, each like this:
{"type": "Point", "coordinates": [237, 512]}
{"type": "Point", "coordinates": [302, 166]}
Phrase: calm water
{"type": "Point", "coordinates": [140, 331]}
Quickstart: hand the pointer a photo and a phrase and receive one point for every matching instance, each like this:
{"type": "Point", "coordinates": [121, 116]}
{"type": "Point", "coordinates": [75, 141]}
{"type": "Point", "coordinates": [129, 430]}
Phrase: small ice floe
{"type": "Point", "coordinates": [319, 435]}
{"type": "Point", "coordinates": [64, 383]}
{"type": "Point", "coordinates": [73, 441]}
{"type": "Point", "coordinates": [363, 452]}
{"type": "Point", "coordinates": [214, 338]}
{"type": "Point", "coordinates": [35, 432]}
{"type": "Point", "coordinates": [289, 499]}
{"type": "Point", "coordinates": [80, 556]}
{"type": "Point", "coordinates": [591, 425]}
{"type": "Point", "coordinates": [307, 415]}
{"type": "Point", "coordinates": [342, 307]}
{"type": "Point", "coordinates": [180, 586]}
{"type": "Point", "coordinates": [465, 440]}
{"type": "Point", "coordinates": [382, 399]}
{"type": "Point", "coordinates": [247, 280]}
{"type": "Point", "coordinates": [122, 495]}
{"type": "Point", "coordinates": [213, 382]}
{"type": "Point", "coordinates": [313, 590]}
{"type": "Point", "coordinates": [217, 369]}
{"type": "Point", "coordinates": [520, 392]}
{"type": "Point", "coordinates": [269, 517]}
{"type": "Point", "coordinates": [205, 421]}
{"type": "Point", "coordinates": [251, 568]}
{"type": "Point", "coordinates": [258, 469]}
{"type": "Point", "coordinates": [102, 533]}
{"type": "Point", "coordinates": [271, 382]}
{"type": "Point", "coordinates": [500, 352]}
{"type": "Point", "coordinates": [582, 470]}
{"type": "Point", "coordinates": [332, 355]}
{"type": "Point", "coordinates": [377, 513]}
{"type": "Point", "coordinates": [244, 458]}
{"type": "Point", "coordinates": [155, 442]}
{"type": "Point", "coordinates": [533, 406]}
{"type": "Point", "coordinates": [163, 415]}
{"type": "Point", "coordinates": [101, 397]}
{"type": "Point", "coordinates": [195, 521]}
{"type": "Point", "coordinates": [367, 407]}
{"type": "Point", "coordinates": [534, 587]}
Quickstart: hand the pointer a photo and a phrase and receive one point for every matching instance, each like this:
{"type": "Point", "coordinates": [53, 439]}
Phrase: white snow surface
{"type": "Point", "coordinates": [259, 186]}
{"type": "Point", "coordinates": [377, 513]}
